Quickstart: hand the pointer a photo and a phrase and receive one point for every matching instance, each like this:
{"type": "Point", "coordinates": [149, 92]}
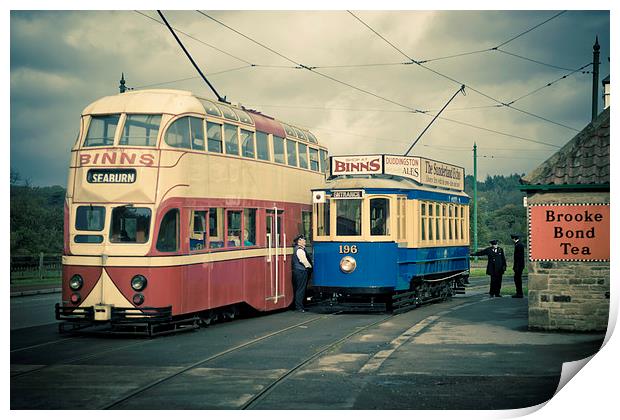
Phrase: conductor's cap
{"type": "Point", "coordinates": [494, 242]}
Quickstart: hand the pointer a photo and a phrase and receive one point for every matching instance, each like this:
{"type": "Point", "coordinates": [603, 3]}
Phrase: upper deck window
{"type": "Point", "coordinates": [130, 224]}
{"type": "Point", "coordinates": [244, 117]}
{"type": "Point", "coordinates": [311, 137]}
{"type": "Point", "coordinates": [101, 130]}
{"type": "Point", "coordinates": [186, 132]}
{"type": "Point", "coordinates": [210, 108]}
{"type": "Point", "coordinates": [300, 134]}
{"type": "Point", "coordinates": [231, 139]}
{"type": "Point", "coordinates": [262, 145]}
{"type": "Point", "coordinates": [228, 112]}
{"type": "Point", "coordinates": [289, 130]}
{"type": "Point", "coordinates": [323, 160]}
{"type": "Point", "coordinates": [140, 130]}
{"type": "Point", "coordinates": [314, 159]}
{"type": "Point", "coordinates": [303, 155]}
{"type": "Point", "coordinates": [278, 149]}
{"type": "Point", "coordinates": [291, 152]}
{"type": "Point", "coordinates": [214, 134]}
{"type": "Point", "coordinates": [247, 143]}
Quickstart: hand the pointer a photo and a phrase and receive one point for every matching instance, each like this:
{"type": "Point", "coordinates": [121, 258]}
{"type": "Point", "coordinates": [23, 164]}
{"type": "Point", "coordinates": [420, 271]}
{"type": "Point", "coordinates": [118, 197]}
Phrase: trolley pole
{"type": "Point", "coordinates": [475, 199]}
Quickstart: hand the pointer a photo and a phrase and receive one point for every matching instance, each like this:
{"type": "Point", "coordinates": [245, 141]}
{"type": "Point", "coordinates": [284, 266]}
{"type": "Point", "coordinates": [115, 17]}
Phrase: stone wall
{"type": "Point", "coordinates": [568, 295]}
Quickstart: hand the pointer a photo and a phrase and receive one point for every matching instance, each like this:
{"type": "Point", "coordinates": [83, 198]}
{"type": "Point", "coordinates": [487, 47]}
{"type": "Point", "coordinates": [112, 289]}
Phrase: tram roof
{"type": "Point", "coordinates": [383, 183]}
{"type": "Point", "coordinates": [172, 101]}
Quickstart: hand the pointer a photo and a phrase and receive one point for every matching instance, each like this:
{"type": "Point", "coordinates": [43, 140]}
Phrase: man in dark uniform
{"type": "Point", "coordinates": [496, 266]}
{"type": "Point", "coordinates": [519, 265]}
{"type": "Point", "coordinates": [301, 265]}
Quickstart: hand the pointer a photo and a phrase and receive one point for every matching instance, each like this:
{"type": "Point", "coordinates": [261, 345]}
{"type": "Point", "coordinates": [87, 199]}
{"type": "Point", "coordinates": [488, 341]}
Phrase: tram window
{"type": "Point", "coordinates": [233, 223]}
{"type": "Point", "coordinates": [262, 145]}
{"type": "Point", "coordinates": [450, 223]}
{"type": "Point", "coordinates": [314, 159]}
{"type": "Point", "coordinates": [216, 228]}
{"type": "Point", "coordinates": [228, 112]}
{"type": "Point", "coordinates": [249, 227]}
{"type": "Point", "coordinates": [278, 149]}
{"type": "Point", "coordinates": [322, 219]}
{"type": "Point", "coordinates": [291, 152]}
{"type": "Point", "coordinates": [210, 108]}
{"type": "Point", "coordinates": [311, 137]}
{"type": "Point", "coordinates": [323, 160]}
{"type": "Point", "coordinates": [101, 130]}
{"type": "Point", "coordinates": [306, 224]}
{"type": "Point", "coordinates": [178, 134]}
{"type": "Point", "coordinates": [130, 224]}
{"type": "Point", "coordinates": [402, 222]}
{"type": "Point", "coordinates": [303, 155]}
{"type": "Point", "coordinates": [88, 239]}
{"type": "Point", "coordinates": [140, 130]}
{"type": "Point", "coordinates": [300, 133]}
{"type": "Point", "coordinates": [289, 131]}
{"type": "Point", "coordinates": [214, 134]}
{"type": "Point", "coordinates": [198, 133]}
{"type": "Point", "coordinates": [431, 224]}
{"type": "Point", "coordinates": [197, 239]}
{"type": "Point", "coordinates": [231, 139]}
{"type": "Point", "coordinates": [168, 241]}
{"type": "Point", "coordinates": [247, 143]}
{"type": "Point", "coordinates": [423, 221]}
{"type": "Point", "coordinates": [349, 217]}
{"type": "Point", "coordinates": [379, 216]}
{"type": "Point", "coordinates": [90, 218]}
{"type": "Point", "coordinates": [244, 117]}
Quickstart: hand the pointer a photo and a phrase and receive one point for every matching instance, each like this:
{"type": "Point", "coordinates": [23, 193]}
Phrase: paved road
{"type": "Point", "coordinates": [32, 311]}
{"type": "Point", "coordinates": [434, 357]}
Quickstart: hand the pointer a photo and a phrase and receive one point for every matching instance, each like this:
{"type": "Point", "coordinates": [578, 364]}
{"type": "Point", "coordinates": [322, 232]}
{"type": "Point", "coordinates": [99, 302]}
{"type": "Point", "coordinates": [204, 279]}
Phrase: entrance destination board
{"type": "Point", "coordinates": [422, 170]}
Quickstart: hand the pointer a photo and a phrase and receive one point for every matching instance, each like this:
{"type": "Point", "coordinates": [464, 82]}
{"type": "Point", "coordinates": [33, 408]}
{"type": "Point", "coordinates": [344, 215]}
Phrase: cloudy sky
{"type": "Point", "coordinates": [360, 96]}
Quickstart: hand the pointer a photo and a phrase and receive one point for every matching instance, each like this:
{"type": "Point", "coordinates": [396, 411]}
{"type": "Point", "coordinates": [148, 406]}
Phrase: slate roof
{"type": "Point", "coordinates": [583, 160]}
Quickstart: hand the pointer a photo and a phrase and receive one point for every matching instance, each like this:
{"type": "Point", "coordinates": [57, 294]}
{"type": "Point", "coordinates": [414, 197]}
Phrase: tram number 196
{"type": "Point", "coordinates": [347, 249]}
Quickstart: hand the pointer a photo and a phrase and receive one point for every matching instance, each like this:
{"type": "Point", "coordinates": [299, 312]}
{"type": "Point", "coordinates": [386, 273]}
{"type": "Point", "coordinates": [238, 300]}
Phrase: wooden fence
{"type": "Point", "coordinates": [35, 268]}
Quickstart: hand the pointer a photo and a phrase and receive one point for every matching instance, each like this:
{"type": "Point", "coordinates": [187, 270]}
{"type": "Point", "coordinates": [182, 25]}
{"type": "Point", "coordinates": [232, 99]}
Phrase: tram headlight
{"type": "Point", "coordinates": [76, 282]}
{"type": "Point", "coordinates": [138, 283]}
{"type": "Point", "coordinates": [347, 264]}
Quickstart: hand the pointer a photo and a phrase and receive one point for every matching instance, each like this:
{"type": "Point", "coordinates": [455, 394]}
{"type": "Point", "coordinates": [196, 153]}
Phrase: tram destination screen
{"type": "Point", "coordinates": [111, 176]}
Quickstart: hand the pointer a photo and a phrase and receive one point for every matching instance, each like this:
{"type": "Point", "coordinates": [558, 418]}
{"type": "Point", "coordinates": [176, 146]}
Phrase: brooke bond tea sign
{"type": "Point", "coordinates": [569, 232]}
{"type": "Point", "coordinates": [442, 174]}
{"type": "Point", "coordinates": [356, 165]}
{"type": "Point", "coordinates": [405, 166]}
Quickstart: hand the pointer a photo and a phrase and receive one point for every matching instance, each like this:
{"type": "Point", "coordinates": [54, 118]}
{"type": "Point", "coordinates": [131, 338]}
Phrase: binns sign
{"type": "Point", "coordinates": [569, 232]}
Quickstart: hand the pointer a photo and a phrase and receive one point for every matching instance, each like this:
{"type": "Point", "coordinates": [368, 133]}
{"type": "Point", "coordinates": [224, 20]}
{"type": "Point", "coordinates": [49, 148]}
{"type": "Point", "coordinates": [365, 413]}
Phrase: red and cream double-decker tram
{"type": "Point", "coordinates": [180, 207]}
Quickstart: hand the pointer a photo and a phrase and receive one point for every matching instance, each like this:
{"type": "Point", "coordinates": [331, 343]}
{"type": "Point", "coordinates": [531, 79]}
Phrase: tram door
{"type": "Point", "coordinates": [276, 256]}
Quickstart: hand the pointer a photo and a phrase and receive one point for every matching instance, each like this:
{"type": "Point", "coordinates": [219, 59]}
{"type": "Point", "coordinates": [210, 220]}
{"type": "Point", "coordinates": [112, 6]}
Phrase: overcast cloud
{"type": "Point", "coordinates": [61, 61]}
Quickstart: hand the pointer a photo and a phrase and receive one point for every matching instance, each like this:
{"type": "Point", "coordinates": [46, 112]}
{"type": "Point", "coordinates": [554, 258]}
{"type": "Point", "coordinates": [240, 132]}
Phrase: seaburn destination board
{"type": "Point", "coordinates": [422, 170]}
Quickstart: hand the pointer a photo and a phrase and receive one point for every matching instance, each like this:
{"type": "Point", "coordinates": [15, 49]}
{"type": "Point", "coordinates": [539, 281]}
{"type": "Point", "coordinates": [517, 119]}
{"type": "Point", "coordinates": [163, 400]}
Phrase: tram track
{"type": "Point", "coordinates": [194, 365]}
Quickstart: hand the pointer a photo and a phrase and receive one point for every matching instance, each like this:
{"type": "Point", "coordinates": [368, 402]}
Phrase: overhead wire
{"type": "Point", "coordinates": [411, 109]}
{"type": "Point", "coordinates": [462, 83]}
{"type": "Point", "coordinates": [309, 68]}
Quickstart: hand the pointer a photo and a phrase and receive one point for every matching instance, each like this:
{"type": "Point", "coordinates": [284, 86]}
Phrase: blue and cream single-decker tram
{"type": "Point", "coordinates": [390, 231]}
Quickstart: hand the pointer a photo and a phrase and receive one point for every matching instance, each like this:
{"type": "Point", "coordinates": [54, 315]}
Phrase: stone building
{"type": "Point", "coordinates": [568, 243]}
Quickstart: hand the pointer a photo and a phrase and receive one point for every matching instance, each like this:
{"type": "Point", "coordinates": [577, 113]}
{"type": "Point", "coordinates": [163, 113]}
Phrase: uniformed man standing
{"type": "Point", "coordinates": [496, 266]}
{"type": "Point", "coordinates": [301, 265]}
{"type": "Point", "coordinates": [519, 265]}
